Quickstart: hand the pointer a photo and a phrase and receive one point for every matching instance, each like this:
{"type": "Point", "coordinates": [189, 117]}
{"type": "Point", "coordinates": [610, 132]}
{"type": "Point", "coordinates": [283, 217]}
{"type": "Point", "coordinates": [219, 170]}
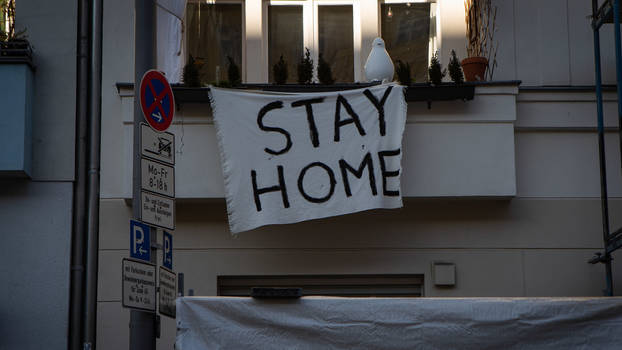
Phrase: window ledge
{"type": "Point", "coordinates": [415, 92]}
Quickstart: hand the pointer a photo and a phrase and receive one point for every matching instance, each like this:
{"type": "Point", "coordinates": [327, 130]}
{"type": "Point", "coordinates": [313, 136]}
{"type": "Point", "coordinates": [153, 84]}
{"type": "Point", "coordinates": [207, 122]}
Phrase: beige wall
{"type": "Point", "coordinates": [522, 247]}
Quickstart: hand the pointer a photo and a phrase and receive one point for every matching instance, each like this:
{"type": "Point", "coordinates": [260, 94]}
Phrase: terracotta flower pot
{"type": "Point", "coordinates": [474, 68]}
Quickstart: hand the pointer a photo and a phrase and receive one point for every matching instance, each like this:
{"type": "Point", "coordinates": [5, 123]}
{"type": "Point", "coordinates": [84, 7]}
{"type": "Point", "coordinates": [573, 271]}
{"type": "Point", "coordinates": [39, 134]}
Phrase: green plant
{"type": "Point", "coordinates": [402, 70]}
{"type": "Point", "coordinates": [435, 73]}
{"type": "Point", "coordinates": [324, 72]}
{"type": "Point", "coordinates": [7, 20]}
{"type": "Point", "coordinates": [233, 72]}
{"type": "Point", "coordinates": [279, 70]}
{"type": "Point", "coordinates": [481, 25]}
{"type": "Point", "coordinates": [305, 68]}
{"type": "Point", "coordinates": [455, 70]}
{"type": "Point", "coordinates": [190, 75]}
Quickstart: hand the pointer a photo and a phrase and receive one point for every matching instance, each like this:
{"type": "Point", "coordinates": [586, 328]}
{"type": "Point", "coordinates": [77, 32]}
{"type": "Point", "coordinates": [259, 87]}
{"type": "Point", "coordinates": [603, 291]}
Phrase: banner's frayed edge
{"type": "Point", "coordinates": [404, 110]}
{"type": "Point", "coordinates": [226, 171]}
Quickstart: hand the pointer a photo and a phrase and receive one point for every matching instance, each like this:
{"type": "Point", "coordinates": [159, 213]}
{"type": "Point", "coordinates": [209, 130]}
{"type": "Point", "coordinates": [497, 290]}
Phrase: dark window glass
{"type": "Point", "coordinates": [214, 31]}
{"type": "Point", "coordinates": [285, 37]}
{"type": "Point", "coordinates": [406, 33]}
{"type": "Point", "coordinates": [336, 40]}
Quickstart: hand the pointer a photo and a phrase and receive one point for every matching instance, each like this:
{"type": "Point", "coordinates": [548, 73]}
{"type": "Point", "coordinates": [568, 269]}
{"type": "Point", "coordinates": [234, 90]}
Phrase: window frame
{"type": "Point", "coordinates": [311, 30]}
{"type": "Point", "coordinates": [243, 29]}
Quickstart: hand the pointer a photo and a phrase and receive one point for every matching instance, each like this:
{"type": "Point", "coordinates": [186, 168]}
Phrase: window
{"type": "Point", "coordinates": [285, 38]}
{"type": "Point", "coordinates": [335, 40]}
{"type": "Point", "coordinates": [214, 32]}
{"type": "Point", "coordinates": [216, 29]}
{"type": "Point", "coordinates": [328, 285]}
{"type": "Point", "coordinates": [323, 26]}
{"type": "Point", "coordinates": [408, 30]}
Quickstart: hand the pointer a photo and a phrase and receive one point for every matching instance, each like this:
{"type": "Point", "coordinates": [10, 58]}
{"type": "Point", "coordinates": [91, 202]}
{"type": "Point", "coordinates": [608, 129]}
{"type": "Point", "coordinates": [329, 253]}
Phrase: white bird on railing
{"type": "Point", "coordinates": [379, 66]}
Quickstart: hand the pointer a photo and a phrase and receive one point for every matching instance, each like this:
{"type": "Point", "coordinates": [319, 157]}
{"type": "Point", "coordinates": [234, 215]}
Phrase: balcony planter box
{"type": "Point", "coordinates": [414, 92]}
{"type": "Point", "coordinates": [16, 90]}
{"type": "Point", "coordinates": [443, 92]}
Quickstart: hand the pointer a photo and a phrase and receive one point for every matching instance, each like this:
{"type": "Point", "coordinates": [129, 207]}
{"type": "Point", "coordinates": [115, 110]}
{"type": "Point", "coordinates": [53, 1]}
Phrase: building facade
{"type": "Point", "coordinates": [36, 210]}
{"type": "Point", "coordinates": [504, 187]}
{"type": "Point", "coordinates": [501, 192]}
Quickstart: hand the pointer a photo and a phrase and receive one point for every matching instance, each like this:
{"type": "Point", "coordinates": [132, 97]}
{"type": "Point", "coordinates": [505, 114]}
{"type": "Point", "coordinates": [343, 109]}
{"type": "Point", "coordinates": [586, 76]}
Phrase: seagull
{"type": "Point", "coordinates": [379, 66]}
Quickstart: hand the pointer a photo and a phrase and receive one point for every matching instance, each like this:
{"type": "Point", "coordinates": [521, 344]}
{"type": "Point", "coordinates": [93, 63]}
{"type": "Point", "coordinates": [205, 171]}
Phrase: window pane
{"type": "Point", "coordinates": [336, 41]}
{"type": "Point", "coordinates": [285, 37]}
{"type": "Point", "coordinates": [214, 31]}
{"type": "Point", "coordinates": [406, 33]}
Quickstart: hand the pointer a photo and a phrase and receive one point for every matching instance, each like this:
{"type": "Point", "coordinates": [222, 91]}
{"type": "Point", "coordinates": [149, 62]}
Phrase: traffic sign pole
{"type": "Point", "coordinates": [142, 324]}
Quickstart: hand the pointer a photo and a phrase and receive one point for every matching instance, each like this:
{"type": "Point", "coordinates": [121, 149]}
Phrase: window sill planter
{"type": "Point", "coordinates": [16, 70]}
{"type": "Point", "coordinates": [414, 92]}
{"type": "Point", "coordinates": [443, 92]}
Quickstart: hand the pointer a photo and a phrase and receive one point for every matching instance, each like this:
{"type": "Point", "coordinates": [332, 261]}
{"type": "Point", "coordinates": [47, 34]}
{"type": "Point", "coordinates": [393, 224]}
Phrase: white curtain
{"type": "Point", "coordinates": [171, 56]}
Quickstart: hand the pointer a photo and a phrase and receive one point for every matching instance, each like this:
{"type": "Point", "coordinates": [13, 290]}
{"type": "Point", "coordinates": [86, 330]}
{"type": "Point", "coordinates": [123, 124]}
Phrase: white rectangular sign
{"type": "Point", "coordinates": [157, 177]}
{"type": "Point", "coordinates": [158, 146]}
{"type": "Point", "coordinates": [157, 210]}
{"type": "Point", "coordinates": [139, 285]}
{"type": "Point", "coordinates": [167, 285]}
{"type": "Point", "coordinates": [293, 157]}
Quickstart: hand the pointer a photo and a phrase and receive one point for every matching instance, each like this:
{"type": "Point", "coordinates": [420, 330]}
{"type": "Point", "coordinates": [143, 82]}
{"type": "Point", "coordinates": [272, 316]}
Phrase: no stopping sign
{"type": "Point", "coordinates": [156, 100]}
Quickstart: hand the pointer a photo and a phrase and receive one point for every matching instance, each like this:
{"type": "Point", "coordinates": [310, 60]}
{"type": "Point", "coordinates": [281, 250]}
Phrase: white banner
{"type": "Point", "coordinates": [293, 157]}
{"type": "Point", "coordinates": [399, 323]}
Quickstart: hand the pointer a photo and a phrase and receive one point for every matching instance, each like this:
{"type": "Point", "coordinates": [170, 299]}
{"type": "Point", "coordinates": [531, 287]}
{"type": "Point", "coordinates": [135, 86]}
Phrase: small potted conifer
{"type": "Point", "coordinates": [305, 68]}
{"type": "Point", "coordinates": [435, 71]}
{"type": "Point", "coordinates": [280, 72]}
{"type": "Point", "coordinates": [402, 71]}
{"type": "Point", "coordinates": [324, 72]}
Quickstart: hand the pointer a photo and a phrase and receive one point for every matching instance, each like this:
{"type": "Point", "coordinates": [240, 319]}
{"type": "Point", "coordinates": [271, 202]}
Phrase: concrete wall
{"type": "Point", "coordinates": [550, 43]}
{"type": "Point", "coordinates": [36, 250]}
{"type": "Point", "coordinates": [36, 214]}
{"type": "Point", "coordinates": [533, 242]}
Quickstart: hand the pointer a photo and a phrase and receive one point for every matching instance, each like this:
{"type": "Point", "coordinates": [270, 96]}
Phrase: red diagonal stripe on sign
{"type": "Point", "coordinates": [157, 101]}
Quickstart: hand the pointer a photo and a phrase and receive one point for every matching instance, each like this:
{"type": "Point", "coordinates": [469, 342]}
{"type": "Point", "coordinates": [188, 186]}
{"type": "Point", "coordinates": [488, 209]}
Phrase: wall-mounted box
{"type": "Point", "coordinates": [444, 274]}
{"type": "Point", "coordinates": [16, 90]}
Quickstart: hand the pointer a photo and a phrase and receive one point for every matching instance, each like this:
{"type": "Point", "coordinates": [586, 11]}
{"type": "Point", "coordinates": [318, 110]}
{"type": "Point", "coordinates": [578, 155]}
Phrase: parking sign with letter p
{"type": "Point", "coordinates": [140, 241]}
{"type": "Point", "coordinates": [167, 257]}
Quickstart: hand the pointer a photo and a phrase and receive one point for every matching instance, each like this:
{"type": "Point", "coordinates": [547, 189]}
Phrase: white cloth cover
{"type": "Point", "coordinates": [400, 323]}
{"type": "Point", "coordinates": [169, 38]}
{"type": "Point", "coordinates": [293, 157]}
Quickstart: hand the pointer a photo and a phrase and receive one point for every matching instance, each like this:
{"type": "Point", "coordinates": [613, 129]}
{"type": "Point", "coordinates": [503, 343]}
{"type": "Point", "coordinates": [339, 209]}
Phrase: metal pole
{"type": "Point", "coordinates": [604, 202]}
{"type": "Point", "coordinates": [76, 322]}
{"type": "Point", "coordinates": [616, 30]}
{"type": "Point", "coordinates": [142, 324]}
{"type": "Point", "coordinates": [94, 134]}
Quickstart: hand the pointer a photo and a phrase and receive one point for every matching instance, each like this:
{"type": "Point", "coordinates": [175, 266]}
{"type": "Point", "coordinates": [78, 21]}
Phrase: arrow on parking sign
{"type": "Point", "coordinates": [140, 241]}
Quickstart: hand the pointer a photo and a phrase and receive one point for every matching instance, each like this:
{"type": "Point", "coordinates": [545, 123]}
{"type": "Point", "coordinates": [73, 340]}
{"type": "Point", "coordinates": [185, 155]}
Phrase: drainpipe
{"type": "Point", "coordinates": [94, 129]}
{"type": "Point", "coordinates": [79, 186]}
